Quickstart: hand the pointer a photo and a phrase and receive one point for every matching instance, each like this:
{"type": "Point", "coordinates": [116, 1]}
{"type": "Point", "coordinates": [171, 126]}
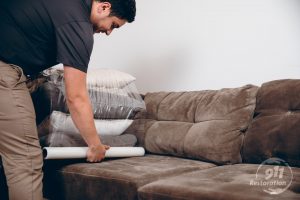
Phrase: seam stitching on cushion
{"type": "Point", "coordinates": [252, 118]}
{"type": "Point", "coordinates": [145, 131]}
{"type": "Point", "coordinates": [177, 99]}
{"type": "Point", "coordinates": [239, 108]}
{"type": "Point", "coordinates": [157, 108]}
{"type": "Point", "coordinates": [198, 103]}
{"type": "Point", "coordinates": [185, 138]}
{"type": "Point", "coordinates": [242, 146]}
{"type": "Point", "coordinates": [203, 97]}
{"type": "Point", "coordinates": [214, 120]}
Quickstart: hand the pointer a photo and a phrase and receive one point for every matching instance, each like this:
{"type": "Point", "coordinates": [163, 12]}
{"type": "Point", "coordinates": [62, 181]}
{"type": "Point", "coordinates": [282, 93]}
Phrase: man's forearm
{"type": "Point", "coordinates": [82, 115]}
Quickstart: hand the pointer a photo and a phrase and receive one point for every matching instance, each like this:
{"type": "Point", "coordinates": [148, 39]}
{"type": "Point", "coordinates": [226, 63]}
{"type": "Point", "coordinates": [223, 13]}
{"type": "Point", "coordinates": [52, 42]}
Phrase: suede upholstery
{"type": "Point", "coordinates": [205, 125]}
{"type": "Point", "coordinates": [275, 129]}
{"type": "Point", "coordinates": [187, 136]}
{"type": "Point", "coordinates": [229, 182]}
{"type": "Point", "coordinates": [116, 178]}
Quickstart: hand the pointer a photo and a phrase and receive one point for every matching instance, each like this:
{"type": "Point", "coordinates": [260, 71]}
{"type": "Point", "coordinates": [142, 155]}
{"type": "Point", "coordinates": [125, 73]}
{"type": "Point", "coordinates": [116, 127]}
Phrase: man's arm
{"type": "Point", "coordinates": [79, 104]}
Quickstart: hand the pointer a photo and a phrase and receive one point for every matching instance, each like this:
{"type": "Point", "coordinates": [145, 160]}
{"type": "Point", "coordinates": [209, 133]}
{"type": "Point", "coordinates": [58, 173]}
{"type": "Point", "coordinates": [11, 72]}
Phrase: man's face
{"type": "Point", "coordinates": [101, 19]}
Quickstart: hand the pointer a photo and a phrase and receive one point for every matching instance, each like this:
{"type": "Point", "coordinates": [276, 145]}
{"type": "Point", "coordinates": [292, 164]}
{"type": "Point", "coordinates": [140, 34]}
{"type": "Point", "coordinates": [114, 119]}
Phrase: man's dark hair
{"type": "Point", "coordinates": [123, 9]}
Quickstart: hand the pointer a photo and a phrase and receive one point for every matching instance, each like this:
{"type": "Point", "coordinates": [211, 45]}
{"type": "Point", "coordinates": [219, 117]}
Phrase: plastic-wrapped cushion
{"type": "Point", "coordinates": [114, 98]}
{"type": "Point", "coordinates": [115, 103]}
{"type": "Point", "coordinates": [113, 94]}
{"type": "Point", "coordinates": [48, 95]}
{"type": "Point", "coordinates": [58, 130]}
{"type": "Point", "coordinates": [69, 139]}
{"type": "Point", "coordinates": [47, 98]}
{"type": "Point", "coordinates": [61, 122]}
{"type": "Point", "coordinates": [107, 102]}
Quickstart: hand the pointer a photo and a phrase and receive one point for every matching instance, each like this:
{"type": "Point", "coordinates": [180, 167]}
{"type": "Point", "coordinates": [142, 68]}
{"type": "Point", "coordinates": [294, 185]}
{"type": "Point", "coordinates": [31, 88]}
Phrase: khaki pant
{"type": "Point", "coordinates": [19, 145]}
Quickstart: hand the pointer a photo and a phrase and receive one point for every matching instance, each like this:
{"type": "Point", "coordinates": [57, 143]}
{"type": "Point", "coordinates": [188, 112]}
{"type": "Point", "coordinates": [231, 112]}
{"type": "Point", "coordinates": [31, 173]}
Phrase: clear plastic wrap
{"type": "Point", "coordinates": [114, 98]}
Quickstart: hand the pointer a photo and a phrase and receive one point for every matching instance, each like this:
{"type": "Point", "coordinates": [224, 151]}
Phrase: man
{"type": "Point", "coordinates": [35, 35]}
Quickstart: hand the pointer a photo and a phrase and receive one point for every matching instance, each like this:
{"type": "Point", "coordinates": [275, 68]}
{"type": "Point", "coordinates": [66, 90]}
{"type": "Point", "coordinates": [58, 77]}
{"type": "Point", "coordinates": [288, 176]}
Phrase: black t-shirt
{"type": "Point", "coordinates": [37, 34]}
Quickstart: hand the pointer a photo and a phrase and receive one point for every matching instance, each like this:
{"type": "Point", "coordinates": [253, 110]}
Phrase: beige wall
{"type": "Point", "coordinates": [205, 44]}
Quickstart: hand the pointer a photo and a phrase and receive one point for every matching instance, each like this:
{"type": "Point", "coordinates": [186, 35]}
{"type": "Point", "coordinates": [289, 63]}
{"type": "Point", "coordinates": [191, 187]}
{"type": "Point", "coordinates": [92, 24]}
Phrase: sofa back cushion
{"type": "Point", "coordinates": [275, 129]}
{"type": "Point", "coordinates": [205, 125]}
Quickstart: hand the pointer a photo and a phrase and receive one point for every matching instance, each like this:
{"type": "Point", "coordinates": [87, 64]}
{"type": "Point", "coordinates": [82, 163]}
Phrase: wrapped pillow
{"type": "Point", "coordinates": [110, 104]}
{"type": "Point", "coordinates": [62, 122]}
{"type": "Point", "coordinates": [106, 104]}
{"type": "Point", "coordinates": [66, 139]}
{"type": "Point", "coordinates": [121, 101]}
{"type": "Point", "coordinates": [108, 78]}
{"type": "Point", "coordinates": [46, 98]}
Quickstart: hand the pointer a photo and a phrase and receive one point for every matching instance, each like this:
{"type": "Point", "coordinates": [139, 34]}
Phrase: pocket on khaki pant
{"type": "Point", "coordinates": [11, 76]}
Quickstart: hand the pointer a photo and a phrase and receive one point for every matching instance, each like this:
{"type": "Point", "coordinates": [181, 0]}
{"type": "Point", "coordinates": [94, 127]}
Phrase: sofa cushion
{"type": "Point", "coordinates": [220, 183]}
{"type": "Point", "coordinates": [206, 125]}
{"type": "Point", "coordinates": [275, 129]}
{"type": "Point", "coordinates": [115, 178]}
{"type": "Point", "coordinates": [138, 127]}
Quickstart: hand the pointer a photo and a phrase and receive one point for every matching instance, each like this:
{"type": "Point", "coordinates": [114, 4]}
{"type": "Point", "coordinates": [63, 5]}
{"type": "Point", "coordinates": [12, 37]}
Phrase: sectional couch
{"type": "Point", "coordinates": [210, 145]}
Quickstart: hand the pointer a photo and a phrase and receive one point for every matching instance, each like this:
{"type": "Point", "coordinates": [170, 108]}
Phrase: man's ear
{"type": "Point", "coordinates": [104, 7]}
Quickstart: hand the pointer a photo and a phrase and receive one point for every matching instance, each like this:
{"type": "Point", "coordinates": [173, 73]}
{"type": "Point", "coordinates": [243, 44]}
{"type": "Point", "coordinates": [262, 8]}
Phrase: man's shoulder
{"type": "Point", "coordinates": [66, 11]}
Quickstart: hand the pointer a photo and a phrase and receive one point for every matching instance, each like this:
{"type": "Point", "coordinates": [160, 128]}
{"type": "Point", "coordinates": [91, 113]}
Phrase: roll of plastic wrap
{"type": "Point", "coordinates": [80, 152]}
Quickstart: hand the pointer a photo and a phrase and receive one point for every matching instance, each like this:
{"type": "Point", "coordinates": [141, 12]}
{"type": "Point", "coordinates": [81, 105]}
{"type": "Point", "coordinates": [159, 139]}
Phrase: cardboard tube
{"type": "Point", "coordinates": [80, 152]}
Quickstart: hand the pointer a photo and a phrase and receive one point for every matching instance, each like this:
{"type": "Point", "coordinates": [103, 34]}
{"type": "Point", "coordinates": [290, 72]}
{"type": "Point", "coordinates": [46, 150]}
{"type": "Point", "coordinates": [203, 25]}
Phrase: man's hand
{"type": "Point", "coordinates": [96, 153]}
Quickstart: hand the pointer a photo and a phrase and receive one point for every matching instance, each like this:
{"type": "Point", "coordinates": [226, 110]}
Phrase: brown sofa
{"type": "Point", "coordinates": [199, 145]}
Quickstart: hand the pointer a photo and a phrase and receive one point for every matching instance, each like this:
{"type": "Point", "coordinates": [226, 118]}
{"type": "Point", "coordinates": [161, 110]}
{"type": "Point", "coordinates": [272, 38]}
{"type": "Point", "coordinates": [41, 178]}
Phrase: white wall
{"type": "Point", "coordinates": [177, 45]}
